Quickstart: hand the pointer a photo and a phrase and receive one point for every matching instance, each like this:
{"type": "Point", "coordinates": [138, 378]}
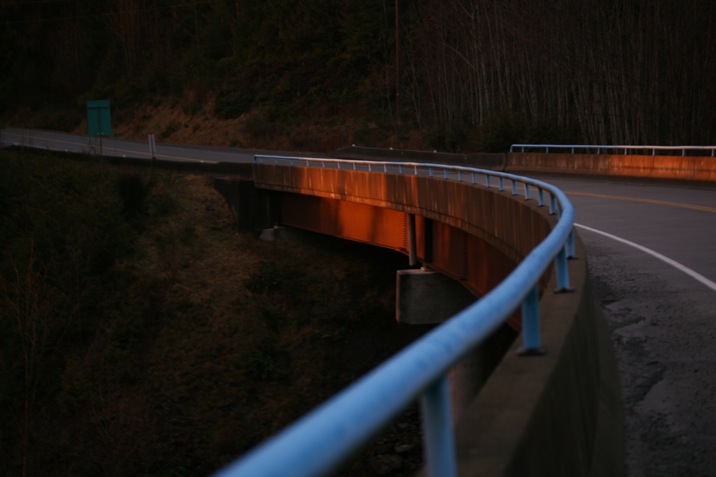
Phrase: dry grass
{"type": "Point", "coordinates": [177, 122]}
{"type": "Point", "coordinates": [260, 332]}
{"type": "Point", "coordinates": [194, 342]}
{"type": "Point", "coordinates": [198, 341]}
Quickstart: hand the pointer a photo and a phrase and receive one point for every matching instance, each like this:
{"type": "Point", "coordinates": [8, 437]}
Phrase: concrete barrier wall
{"type": "Point", "coordinates": [552, 415]}
{"type": "Point", "coordinates": [686, 168]}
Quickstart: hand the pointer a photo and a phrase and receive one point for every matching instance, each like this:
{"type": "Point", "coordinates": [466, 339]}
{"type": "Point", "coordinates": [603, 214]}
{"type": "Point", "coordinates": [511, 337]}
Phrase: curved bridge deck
{"type": "Point", "coordinates": [477, 235]}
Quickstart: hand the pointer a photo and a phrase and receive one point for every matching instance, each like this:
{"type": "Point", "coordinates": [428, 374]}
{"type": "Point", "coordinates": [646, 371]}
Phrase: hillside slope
{"type": "Point", "coordinates": [142, 335]}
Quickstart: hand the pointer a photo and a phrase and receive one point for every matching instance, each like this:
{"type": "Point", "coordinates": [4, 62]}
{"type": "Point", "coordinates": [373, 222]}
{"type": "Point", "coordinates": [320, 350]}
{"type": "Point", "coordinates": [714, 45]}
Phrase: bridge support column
{"type": "Point", "coordinates": [426, 297]}
{"type": "Point", "coordinates": [253, 208]}
{"type": "Point", "coordinates": [412, 242]}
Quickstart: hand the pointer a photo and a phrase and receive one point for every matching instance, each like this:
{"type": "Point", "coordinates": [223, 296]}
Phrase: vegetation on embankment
{"type": "Point", "coordinates": [448, 75]}
{"type": "Point", "coordinates": [140, 334]}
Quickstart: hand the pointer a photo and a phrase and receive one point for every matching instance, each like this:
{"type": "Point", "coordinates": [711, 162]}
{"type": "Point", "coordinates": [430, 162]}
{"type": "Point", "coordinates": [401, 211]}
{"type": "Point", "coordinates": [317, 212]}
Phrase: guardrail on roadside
{"type": "Point", "coordinates": [319, 442]}
{"type": "Point", "coordinates": [573, 148]}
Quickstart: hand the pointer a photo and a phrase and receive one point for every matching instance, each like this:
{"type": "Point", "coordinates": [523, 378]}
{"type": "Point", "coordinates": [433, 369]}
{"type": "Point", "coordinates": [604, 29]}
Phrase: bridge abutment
{"type": "Point", "coordinates": [254, 208]}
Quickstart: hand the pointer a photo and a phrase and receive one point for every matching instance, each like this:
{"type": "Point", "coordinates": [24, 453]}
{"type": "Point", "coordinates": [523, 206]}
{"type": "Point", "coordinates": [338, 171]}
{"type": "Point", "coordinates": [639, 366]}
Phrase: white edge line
{"type": "Point", "coordinates": [695, 275]}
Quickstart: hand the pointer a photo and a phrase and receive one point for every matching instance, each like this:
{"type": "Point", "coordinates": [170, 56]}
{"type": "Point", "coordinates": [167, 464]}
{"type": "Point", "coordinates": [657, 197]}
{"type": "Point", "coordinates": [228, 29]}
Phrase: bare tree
{"type": "Point", "coordinates": [28, 303]}
{"type": "Point", "coordinates": [618, 71]}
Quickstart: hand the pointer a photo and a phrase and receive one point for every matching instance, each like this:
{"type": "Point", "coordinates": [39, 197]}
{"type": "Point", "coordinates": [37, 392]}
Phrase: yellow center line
{"type": "Point", "coordinates": [701, 208]}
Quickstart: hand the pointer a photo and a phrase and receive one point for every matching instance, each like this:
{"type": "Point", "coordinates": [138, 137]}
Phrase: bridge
{"type": "Point", "coordinates": [557, 413]}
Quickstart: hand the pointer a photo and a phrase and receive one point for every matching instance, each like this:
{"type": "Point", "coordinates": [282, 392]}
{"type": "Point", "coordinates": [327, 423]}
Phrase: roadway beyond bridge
{"type": "Point", "coordinates": [652, 254]}
{"type": "Point", "coordinates": [652, 260]}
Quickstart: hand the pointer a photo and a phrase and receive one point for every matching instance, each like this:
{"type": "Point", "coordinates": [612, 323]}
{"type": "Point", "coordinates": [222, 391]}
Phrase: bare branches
{"type": "Point", "coordinates": [28, 305]}
{"type": "Point", "coordinates": [624, 72]}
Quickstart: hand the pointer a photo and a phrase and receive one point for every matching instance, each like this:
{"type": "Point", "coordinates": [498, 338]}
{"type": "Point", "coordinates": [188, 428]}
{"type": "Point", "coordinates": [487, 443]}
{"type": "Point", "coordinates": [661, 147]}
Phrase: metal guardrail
{"type": "Point", "coordinates": [572, 148]}
{"type": "Point", "coordinates": [319, 442]}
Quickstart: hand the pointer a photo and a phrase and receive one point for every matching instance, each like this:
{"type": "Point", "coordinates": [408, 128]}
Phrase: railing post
{"type": "Point", "coordinates": [531, 330]}
{"type": "Point", "coordinates": [552, 204]}
{"type": "Point", "coordinates": [540, 196]}
{"type": "Point", "coordinates": [514, 187]}
{"type": "Point", "coordinates": [571, 251]}
{"type": "Point", "coordinates": [502, 183]}
{"type": "Point", "coordinates": [527, 191]}
{"type": "Point", "coordinates": [438, 435]}
{"type": "Point", "coordinates": [487, 181]}
{"type": "Point", "coordinates": [474, 178]}
{"type": "Point", "coordinates": [562, 270]}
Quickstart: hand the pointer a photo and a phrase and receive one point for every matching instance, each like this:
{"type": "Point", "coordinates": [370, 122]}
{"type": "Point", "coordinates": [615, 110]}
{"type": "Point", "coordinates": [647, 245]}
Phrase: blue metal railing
{"type": "Point", "coordinates": [319, 442]}
{"type": "Point", "coordinates": [607, 149]}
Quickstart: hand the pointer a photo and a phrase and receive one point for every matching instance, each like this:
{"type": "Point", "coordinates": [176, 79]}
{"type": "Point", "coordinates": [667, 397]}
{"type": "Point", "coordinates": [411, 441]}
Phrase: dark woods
{"type": "Point", "coordinates": [616, 71]}
{"type": "Point", "coordinates": [469, 73]}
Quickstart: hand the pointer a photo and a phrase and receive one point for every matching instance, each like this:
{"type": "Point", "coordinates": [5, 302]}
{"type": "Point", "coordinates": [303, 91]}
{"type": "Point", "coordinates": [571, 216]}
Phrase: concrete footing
{"type": "Point", "coordinates": [426, 297]}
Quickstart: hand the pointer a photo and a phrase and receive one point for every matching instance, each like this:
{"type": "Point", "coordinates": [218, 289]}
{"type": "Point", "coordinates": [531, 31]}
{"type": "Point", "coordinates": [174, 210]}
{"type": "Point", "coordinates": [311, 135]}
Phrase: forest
{"type": "Point", "coordinates": [454, 75]}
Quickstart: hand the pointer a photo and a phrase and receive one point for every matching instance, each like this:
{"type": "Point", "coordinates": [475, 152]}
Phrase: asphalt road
{"type": "Point", "coordinates": [655, 277]}
{"type": "Point", "coordinates": [122, 148]}
{"type": "Point", "coordinates": [652, 254]}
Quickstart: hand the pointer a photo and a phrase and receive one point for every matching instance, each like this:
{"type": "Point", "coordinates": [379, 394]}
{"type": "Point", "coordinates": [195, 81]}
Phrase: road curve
{"type": "Point", "coordinates": [652, 253]}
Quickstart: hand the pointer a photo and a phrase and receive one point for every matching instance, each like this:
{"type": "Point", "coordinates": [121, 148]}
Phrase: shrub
{"type": "Point", "coordinates": [233, 101]}
{"type": "Point", "coordinates": [268, 278]}
{"type": "Point", "coordinates": [170, 129]}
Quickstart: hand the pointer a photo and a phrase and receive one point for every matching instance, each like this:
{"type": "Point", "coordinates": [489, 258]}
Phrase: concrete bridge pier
{"type": "Point", "coordinates": [253, 208]}
{"type": "Point", "coordinates": [426, 297]}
